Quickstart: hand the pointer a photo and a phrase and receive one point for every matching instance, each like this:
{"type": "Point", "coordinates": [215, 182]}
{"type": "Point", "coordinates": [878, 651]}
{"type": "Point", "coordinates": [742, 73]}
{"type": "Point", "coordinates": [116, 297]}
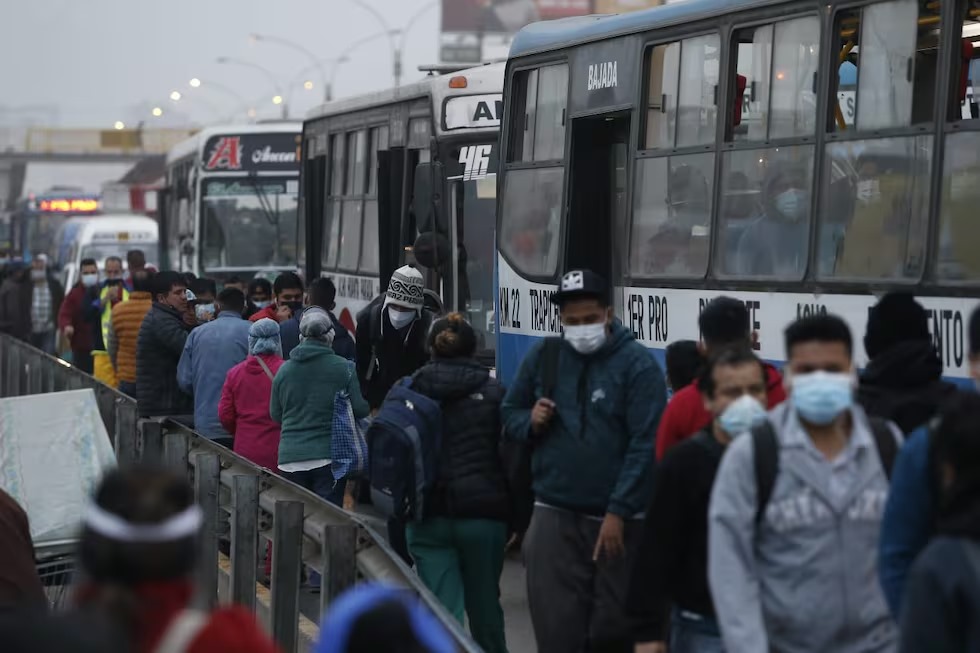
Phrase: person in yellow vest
{"type": "Point", "coordinates": [100, 315]}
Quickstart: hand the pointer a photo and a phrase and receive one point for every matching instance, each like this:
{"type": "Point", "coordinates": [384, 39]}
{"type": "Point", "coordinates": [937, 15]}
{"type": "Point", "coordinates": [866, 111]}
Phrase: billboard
{"type": "Point", "coordinates": [477, 30]}
{"type": "Point", "coordinates": [472, 28]}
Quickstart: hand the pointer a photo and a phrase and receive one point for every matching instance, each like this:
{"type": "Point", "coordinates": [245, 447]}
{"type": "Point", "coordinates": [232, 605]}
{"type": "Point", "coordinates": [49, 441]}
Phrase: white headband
{"type": "Point", "coordinates": [114, 527]}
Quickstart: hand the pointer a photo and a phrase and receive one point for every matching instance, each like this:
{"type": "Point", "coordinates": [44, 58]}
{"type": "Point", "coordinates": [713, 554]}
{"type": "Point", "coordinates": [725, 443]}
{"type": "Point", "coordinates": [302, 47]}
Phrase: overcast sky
{"type": "Point", "coordinates": [98, 61]}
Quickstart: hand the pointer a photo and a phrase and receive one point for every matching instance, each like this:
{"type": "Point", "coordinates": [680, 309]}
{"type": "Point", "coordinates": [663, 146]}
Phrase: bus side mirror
{"type": "Point", "coordinates": [428, 201]}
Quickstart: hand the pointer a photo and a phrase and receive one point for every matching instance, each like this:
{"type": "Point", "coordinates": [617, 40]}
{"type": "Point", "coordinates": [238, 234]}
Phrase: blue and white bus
{"type": "Point", "coordinates": [801, 156]}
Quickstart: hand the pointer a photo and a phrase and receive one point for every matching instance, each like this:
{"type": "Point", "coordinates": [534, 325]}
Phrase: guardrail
{"type": "Point", "coordinates": [304, 530]}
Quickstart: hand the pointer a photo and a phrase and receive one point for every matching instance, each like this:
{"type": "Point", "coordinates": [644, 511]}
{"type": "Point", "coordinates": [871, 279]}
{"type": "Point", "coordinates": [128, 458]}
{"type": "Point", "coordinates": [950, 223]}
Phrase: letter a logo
{"type": "Point", "coordinates": [226, 154]}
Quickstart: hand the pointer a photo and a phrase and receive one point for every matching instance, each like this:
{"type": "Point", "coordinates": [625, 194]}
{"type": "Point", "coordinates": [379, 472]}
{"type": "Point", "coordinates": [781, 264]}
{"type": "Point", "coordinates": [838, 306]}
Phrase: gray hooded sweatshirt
{"type": "Point", "coordinates": [805, 579]}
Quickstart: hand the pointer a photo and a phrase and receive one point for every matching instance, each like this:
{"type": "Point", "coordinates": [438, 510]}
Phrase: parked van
{"type": "Point", "coordinates": [105, 236]}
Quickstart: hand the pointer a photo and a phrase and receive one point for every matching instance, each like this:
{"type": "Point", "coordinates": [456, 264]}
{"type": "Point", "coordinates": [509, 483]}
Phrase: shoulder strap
{"type": "Point", "coordinates": [972, 552]}
{"type": "Point", "coordinates": [266, 369]}
{"type": "Point", "coordinates": [885, 443]}
{"type": "Point", "coordinates": [765, 452]}
{"type": "Point", "coordinates": [182, 631]}
{"type": "Point", "coordinates": [376, 317]}
{"type": "Point", "coordinates": [548, 366]}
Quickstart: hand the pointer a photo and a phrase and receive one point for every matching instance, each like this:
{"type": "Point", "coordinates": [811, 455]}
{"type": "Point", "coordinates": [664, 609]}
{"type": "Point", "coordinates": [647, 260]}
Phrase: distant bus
{"type": "Point", "coordinates": [407, 175]}
{"type": "Point", "coordinates": [36, 220]}
{"type": "Point", "coordinates": [231, 201]}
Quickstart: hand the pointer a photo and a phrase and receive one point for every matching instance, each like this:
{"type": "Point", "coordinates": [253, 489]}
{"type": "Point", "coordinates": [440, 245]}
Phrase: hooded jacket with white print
{"type": "Point", "coordinates": [804, 578]}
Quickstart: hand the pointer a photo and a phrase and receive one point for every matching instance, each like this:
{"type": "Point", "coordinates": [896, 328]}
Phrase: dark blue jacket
{"type": "Point", "coordinates": [909, 518]}
{"type": "Point", "coordinates": [943, 598]}
{"type": "Point", "coordinates": [597, 455]}
{"type": "Point", "coordinates": [343, 344]}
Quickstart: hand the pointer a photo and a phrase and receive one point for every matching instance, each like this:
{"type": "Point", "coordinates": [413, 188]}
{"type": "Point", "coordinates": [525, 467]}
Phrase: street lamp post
{"type": "Point", "coordinates": [298, 48]}
{"type": "Point", "coordinates": [279, 98]}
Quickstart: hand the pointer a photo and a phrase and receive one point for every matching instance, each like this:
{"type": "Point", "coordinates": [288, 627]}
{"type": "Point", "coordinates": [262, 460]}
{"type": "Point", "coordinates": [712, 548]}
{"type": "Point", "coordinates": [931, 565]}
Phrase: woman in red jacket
{"type": "Point", "coordinates": [138, 550]}
{"type": "Point", "coordinates": [244, 406]}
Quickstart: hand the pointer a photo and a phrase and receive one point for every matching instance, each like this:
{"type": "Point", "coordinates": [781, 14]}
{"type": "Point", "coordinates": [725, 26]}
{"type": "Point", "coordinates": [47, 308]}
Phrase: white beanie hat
{"type": "Point", "coordinates": [406, 288]}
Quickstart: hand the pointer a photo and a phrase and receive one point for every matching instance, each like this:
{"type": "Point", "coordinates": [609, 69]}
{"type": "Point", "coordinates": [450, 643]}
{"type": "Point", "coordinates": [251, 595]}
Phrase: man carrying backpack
{"type": "Point", "coordinates": [589, 404]}
{"type": "Point", "coordinates": [391, 344]}
{"type": "Point", "coordinates": [796, 510]}
{"type": "Point", "coordinates": [391, 335]}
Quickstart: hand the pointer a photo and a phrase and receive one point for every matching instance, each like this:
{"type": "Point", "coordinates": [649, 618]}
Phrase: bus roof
{"type": "Point", "coordinates": [191, 146]}
{"type": "Point", "coordinates": [121, 222]}
{"type": "Point", "coordinates": [480, 79]}
{"type": "Point", "coordinates": [552, 35]}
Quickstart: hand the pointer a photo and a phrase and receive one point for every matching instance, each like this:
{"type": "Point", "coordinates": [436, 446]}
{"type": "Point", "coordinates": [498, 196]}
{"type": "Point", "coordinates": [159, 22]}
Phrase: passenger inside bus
{"type": "Point", "coordinates": [763, 246]}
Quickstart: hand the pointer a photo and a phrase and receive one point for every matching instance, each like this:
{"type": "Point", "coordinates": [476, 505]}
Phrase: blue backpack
{"type": "Point", "coordinates": [403, 452]}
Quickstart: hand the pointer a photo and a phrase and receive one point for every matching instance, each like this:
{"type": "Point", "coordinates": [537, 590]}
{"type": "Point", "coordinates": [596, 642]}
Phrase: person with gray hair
{"type": "Point", "coordinates": [302, 403]}
{"type": "Point", "coordinates": [245, 396]}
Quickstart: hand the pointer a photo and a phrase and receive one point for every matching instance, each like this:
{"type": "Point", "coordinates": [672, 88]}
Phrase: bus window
{"type": "Point", "coordinates": [331, 231]}
{"type": "Point", "coordinates": [779, 63]}
{"type": "Point", "coordinates": [699, 79]}
{"type": "Point", "coordinates": [959, 229]}
{"type": "Point", "coordinates": [370, 251]}
{"type": "Point", "coordinates": [875, 227]}
{"type": "Point", "coordinates": [356, 151]}
{"type": "Point", "coordinates": [875, 195]}
{"type": "Point", "coordinates": [887, 62]}
{"type": "Point", "coordinates": [531, 222]}
{"type": "Point", "coordinates": [541, 98]}
{"type": "Point", "coordinates": [765, 212]}
{"type": "Point", "coordinates": [350, 235]}
{"type": "Point", "coordinates": [662, 95]}
{"type": "Point", "coordinates": [671, 216]}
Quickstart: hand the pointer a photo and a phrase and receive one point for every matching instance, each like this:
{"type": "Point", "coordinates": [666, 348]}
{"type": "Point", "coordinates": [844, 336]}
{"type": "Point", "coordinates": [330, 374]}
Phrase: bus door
{"type": "Point", "coordinates": [392, 176]}
{"type": "Point", "coordinates": [597, 192]}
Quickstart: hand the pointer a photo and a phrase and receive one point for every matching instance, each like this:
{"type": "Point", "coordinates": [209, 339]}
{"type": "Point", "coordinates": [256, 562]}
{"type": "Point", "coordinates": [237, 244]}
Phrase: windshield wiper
{"type": "Point", "coordinates": [271, 217]}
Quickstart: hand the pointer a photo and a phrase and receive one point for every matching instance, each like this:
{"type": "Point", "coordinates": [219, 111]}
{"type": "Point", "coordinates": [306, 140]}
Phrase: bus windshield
{"type": "Point", "coordinates": [249, 222]}
{"type": "Point", "coordinates": [471, 171]}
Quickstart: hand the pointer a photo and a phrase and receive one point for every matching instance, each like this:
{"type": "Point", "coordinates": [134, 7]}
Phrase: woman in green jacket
{"type": "Point", "coordinates": [302, 402]}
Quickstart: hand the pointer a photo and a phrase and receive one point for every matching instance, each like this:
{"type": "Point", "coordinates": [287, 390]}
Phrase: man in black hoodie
{"type": "Point", "coordinates": [903, 379]}
{"type": "Point", "coordinates": [159, 347]}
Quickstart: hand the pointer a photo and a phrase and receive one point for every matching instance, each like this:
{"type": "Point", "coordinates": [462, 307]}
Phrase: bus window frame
{"type": "Point", "coordinates": [505, 165]}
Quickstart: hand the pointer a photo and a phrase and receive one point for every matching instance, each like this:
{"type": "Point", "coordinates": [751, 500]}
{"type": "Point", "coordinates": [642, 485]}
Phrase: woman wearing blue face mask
{"type": "Point", "coordinates": [670, 572]}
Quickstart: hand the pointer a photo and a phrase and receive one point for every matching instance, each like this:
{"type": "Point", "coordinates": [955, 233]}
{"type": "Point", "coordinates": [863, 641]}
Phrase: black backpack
{"type": "Point", "coordinates": [765, 447]}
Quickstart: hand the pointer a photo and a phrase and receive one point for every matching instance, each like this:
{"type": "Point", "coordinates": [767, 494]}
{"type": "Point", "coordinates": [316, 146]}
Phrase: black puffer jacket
{"type": "Point", "coordinates": [904, 384]}
{"type": "Point", "coordinates": [472, 484]}
{"type": "Point", "coordinates": [158, 350]}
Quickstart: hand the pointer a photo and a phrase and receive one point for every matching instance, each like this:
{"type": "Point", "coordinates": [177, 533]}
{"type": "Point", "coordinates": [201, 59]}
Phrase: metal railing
{"type": "Point", "coordinates": [253, 504]}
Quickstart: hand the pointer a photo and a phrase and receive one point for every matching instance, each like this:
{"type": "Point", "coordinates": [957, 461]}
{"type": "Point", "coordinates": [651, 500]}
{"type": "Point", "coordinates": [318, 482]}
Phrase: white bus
{"type": "Point", "coordinates": [231, 201]}
{"type": "Point", "coordinates": [407, 175]}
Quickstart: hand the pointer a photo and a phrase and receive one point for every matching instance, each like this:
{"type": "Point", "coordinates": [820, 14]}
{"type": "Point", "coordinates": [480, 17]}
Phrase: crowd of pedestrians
{"type": "Point", "coordinates": [719, 504]}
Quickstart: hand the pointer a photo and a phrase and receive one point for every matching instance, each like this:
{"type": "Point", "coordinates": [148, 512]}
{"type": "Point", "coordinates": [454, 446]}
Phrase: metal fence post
{"type": "Point", "coordinates": [151, 432]}
{"type": "Point", "coordinates": [107, 400]}
{"type": "Point", "coordinates": [339, 560]}
{"type": "Point", "coordinates": [244, 539]}
{"type": "Point", "coordinates": [125, 432]}
{"type": "Point", "coordinates": [287, 553]}
{"type": "Point", "coordinates": [207, 470]}
{"type": "Point", "coordinates": [34, 376]}
{"type": "Point", "coordinates": [48, 375]}
{"type": "Point", "coordinates": [14, 369]}
{"type": "Point", "coordinates": [175, 448]}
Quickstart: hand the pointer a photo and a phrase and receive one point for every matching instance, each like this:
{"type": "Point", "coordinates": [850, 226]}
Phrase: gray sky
{"type": "Point", "coordinates": [99, 61]}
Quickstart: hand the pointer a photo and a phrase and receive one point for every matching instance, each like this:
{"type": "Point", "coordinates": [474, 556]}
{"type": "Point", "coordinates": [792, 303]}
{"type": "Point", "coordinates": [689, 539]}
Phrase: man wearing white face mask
{"type": "Point", "coordinates": [593, 440]}
{"type": "Point", "coordinates": [670, 578]}
{"type": "Point", "coordinates": [391, 335]}
{"type": "Point", "coordinates": [796, 510]}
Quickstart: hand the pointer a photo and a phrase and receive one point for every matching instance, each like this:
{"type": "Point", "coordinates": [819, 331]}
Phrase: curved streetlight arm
{"type": "Point", "coordinates": [414, 19]}
{"type": "Point", "coordinates": [298, 48]}
{"type": "Point", "coordinates": [265, 71]}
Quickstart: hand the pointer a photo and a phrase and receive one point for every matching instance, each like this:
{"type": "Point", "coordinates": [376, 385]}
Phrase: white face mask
{"type": "Point", "coordinates": [587, 338]}
{"type": "Point", "coordinates": [400, 319]}
{"type": "Point", "coordinates": [741, 415]}
{"type": "Point", "coordinates": [90, 280]}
